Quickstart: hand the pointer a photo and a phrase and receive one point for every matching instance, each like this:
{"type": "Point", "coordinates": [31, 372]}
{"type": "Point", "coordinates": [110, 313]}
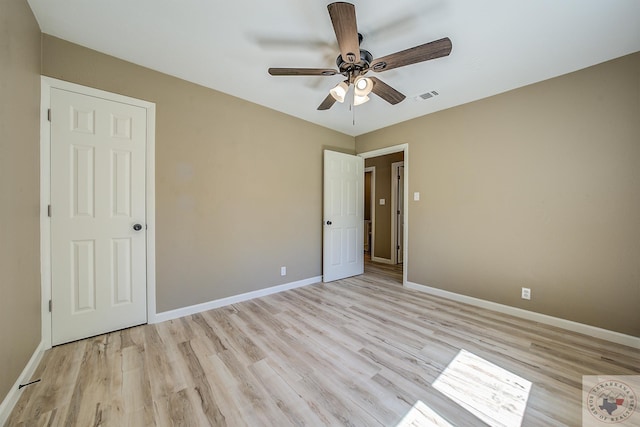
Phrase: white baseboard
{"type": "Point", "coordinates": [569, 325]}
{"type": "Point", "coordinates": [12, 397]}
{"type": "Point", "coordinates": [381, 260]}
{"type": "Point", "coordinates": [198, 308]}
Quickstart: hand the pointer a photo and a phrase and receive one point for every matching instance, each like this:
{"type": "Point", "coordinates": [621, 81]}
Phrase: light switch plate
{"type": "Point", "coordinates": [382, 202]}
{"type": "Point", "coordinates": [416, 196]}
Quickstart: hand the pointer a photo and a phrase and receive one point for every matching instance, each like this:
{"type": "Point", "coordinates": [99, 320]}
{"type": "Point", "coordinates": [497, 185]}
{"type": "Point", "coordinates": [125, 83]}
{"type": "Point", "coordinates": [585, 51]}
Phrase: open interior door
{"type": "Point", "coordinates": [343, 238]}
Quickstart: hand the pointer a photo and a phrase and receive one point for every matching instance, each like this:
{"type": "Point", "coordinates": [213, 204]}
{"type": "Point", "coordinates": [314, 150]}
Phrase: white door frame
{"type": "Point", "coordinates": [394, 202]}
{"type": "Point", "coordinates": [372, 207]}
{"type": "Point", "coordinates": [47, 83]}
{"type": "Point", "coordinates": [383, 152]}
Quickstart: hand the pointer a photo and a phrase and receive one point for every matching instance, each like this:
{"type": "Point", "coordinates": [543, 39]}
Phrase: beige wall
{"type": "Point", "coordinates": [238, 186]}
{"type": "Point", "coordinates": [19, 189]}
{"type": "Point", "coordinates": [538, 187]}
{"type": "Point", "coordinates": [382, 246]}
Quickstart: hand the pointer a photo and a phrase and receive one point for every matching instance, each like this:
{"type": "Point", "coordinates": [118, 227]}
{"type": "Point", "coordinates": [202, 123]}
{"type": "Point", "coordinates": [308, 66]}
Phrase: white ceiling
{"type": "Point", "coordinates": [498, 45]}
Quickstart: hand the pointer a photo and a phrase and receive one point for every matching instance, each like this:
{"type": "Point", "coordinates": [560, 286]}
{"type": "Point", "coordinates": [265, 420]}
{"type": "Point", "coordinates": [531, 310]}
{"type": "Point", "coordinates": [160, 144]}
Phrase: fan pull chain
{"type": "Point", "coordinates": [353, 110]}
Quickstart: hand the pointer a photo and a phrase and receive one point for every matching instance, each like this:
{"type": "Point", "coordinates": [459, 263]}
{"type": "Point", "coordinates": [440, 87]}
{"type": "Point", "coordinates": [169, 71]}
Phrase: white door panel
{"type": "Point", "coordinates": [97, 195]}
{"type": "Point", "coordinates": [343, 216]}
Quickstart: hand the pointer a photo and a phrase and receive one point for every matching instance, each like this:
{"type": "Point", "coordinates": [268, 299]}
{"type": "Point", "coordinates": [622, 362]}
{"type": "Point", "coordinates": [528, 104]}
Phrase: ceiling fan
{"type": "Point", "coordinates": [354, 63]}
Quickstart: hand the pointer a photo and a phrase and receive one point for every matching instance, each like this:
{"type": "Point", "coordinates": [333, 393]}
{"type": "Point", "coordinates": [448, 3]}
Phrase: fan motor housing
{"type": "Point", "coordinates": [355, 68]}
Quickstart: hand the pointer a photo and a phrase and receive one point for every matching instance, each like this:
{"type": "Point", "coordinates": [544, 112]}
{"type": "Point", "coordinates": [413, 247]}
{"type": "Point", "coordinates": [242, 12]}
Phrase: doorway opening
{"type": "Point", "coordinates": [385, 205]}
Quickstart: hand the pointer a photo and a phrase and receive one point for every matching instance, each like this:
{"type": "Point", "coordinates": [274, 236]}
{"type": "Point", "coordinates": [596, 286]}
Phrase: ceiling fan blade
{"type": "Point", "coordinates": [343, 18]}
{"type": "Point", "coordinates": [386, 92]}
{"type": "Point", "coordinates": [302, 72]}
{"type": "Point", "coordinates": [425, 52]}
{"type": "Point", "coordinates": [327, 103]}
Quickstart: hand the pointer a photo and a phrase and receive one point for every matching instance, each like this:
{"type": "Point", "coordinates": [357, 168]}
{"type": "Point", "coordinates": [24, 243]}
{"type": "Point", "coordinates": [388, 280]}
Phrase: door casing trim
{"type": "Point", "coordinates": [372, 170]}
{"type": "Point", "coordinates": [394, 202]}
{"type": "Point", "coordinates": [48, 83]}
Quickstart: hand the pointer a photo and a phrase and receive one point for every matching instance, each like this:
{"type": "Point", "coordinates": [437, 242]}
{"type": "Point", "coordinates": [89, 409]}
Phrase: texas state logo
{"type": "Point", "coordinates": [611, 401]}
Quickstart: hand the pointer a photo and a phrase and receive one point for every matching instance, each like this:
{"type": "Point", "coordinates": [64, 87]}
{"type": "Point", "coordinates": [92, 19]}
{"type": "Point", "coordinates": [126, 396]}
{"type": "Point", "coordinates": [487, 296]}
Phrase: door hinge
{"type": "Point", "coordinates": [49, 114]}
{"type": "Point", "coordinates": [50, 306]}
{"type": "Point", "coordinates": [49, 211]}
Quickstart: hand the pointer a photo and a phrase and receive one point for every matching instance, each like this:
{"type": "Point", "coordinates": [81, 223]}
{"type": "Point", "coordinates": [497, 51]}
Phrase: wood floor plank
{"type": "Point", "coordinates": [292, 405]}
{"type": "Point", "coordinates": [340, 405]}
{"type": "Point", "coordinates": [240, 342]}
{"type": "Point", "coordinates": [359, 352]}
{"type": "Point", "coordinates": [92, 385]}
{"type": "Point", "coordinates": [208, 404]}
{"type": "Point", "coordinates": [254, 400]}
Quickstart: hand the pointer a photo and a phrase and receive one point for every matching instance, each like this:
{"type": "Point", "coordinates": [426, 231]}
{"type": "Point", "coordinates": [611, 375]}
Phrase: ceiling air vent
{"type": "Point", "coordinates": [428, 95]}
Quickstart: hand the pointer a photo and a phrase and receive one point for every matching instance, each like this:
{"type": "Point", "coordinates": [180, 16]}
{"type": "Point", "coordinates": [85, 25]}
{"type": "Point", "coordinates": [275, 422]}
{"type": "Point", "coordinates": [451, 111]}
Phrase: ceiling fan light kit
{"type": "Point", "coordinates": [354, 63]}
{"type": "Point", "coordinates": [363, 86]}
{"type": "Point", "coordinates": [339, 92]}
{"type": "Point", "coordinates": [359, 100]}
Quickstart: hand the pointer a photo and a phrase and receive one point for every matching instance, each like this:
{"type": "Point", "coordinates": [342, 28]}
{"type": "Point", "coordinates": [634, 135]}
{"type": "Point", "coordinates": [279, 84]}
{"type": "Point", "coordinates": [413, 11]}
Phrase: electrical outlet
{"type": "Point", "coordinates": [526, 293]}
{"type": "Point", "coordinates": [283, 271]}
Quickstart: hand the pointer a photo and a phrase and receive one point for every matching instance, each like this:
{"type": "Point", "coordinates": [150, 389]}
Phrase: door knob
{"type": "Point", "coordinates": [137, 227]}
{"type": "Point", "coordinates": [328, 222]}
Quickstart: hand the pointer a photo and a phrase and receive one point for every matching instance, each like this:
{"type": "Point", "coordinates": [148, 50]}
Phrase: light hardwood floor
{"type": "Point", "coordinates": [360, 351]}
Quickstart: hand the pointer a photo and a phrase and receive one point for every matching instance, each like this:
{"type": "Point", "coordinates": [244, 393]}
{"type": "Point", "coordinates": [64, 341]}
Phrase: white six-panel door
{"type": "Point", "coordinates": [343, 241]}
{"type": "Point", "coordinates": [98, 253]}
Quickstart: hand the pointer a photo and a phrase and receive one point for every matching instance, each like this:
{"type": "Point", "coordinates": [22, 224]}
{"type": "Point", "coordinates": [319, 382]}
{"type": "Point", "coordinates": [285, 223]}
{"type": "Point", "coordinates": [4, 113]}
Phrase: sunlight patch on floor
{"type": "Point", "coordinates": [420, 415]}
{"type": "Point", "coordinates": [493, 394]}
